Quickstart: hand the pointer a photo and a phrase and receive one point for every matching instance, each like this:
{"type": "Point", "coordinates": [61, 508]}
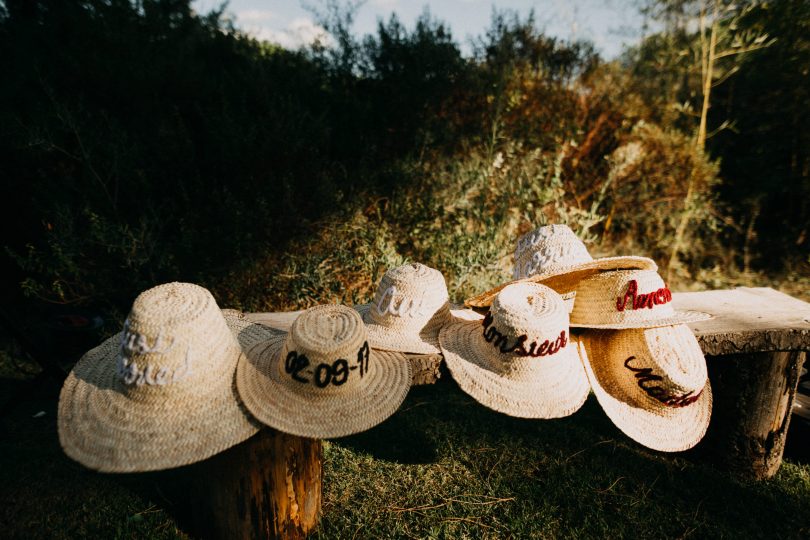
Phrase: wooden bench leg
{"type": "Point", "coordinates": [753, 398]}
{"type": "Point", "coordinates": [267, 487]}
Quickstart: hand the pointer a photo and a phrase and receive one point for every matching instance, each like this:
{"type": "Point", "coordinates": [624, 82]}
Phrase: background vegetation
{"type": "Point", "coordinates": [141, 139]}
{"type": "Point", "coordinates": [141, 142]}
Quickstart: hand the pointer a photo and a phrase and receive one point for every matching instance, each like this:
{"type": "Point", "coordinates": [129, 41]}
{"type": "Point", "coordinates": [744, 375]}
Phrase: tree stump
{"type": "Point", "coordinates": [753, 399]}
{"type": "Point", "coordinates": [266, 487]}
{"type": "Point", "coordinates": [755, 349]}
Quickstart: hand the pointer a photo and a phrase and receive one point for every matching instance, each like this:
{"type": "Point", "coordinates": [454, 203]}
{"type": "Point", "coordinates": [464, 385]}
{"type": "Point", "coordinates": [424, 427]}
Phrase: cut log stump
{"type": "Point", "coordinates": [753, 399]}
{"type": "Point", "coordinates": [754, 350]}
{"type": "Point", "coordinates": [266, 487]}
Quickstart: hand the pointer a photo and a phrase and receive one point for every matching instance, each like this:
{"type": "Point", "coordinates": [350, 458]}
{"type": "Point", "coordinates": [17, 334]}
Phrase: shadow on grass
{"type": "Point", "coordinates": [441, 466]}
{"type": "Point", "coordinates": [494, 475]}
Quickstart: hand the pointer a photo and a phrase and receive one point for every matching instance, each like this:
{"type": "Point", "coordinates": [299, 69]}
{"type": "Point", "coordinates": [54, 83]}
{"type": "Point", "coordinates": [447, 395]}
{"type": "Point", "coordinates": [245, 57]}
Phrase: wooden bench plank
{"type": "Point", "coordinates": [748, 320]}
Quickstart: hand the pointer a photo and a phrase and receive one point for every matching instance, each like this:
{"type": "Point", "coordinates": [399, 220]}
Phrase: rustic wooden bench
{"type": "Point", "coordinates": [270, 485]}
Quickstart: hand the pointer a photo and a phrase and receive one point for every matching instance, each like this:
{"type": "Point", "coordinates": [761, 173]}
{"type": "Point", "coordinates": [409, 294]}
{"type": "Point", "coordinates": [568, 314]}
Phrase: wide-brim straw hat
{"type": "Point", "coordinates": [627, 299]}
{"type": "Point", "coordinates": [284, 383]}
{"type": "Point", "coordinates": [555, 251]}
{"type": "Point", "coordinates": [166, 415]}
{"type": "Point", "coordinates": [409, 308]}
{"type": "Point", "coordinates": [668, 358]}
{"type": "Point", "coordinates": [550, 385]}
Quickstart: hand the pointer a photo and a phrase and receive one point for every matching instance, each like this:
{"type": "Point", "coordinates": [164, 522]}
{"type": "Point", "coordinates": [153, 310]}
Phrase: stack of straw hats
{"type": "Point", "coordinates": [643, 364]}
{"type": "Point", "coordinates": [185, 380]}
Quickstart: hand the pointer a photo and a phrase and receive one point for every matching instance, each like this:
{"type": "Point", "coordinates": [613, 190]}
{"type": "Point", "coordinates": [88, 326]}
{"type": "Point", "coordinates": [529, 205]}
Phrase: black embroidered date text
{"type": "Point", "coordinates": [325, 374]}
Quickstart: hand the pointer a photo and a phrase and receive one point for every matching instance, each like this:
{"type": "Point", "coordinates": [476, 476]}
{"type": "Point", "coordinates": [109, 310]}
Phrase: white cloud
{"type": "Point", "coordinates": [255, 16]}
{"type": "Point", "coordinates": [298, 33]}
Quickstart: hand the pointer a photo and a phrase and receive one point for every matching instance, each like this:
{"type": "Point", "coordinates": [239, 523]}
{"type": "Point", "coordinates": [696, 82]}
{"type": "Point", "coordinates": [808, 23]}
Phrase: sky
{"type": "Point", "coordinates": [609, 24]}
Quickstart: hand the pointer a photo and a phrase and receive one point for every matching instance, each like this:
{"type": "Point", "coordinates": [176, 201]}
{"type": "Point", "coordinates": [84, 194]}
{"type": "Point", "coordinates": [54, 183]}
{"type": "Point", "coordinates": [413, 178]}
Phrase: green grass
{"type": "Point", "coordinates": [446, 467]}
{"type": "Point", "coordinates": [441, 467]}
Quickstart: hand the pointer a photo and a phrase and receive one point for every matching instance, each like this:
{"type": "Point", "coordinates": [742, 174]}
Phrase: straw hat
{"type": "Point", "coordinates": [161, 393]}
{"type": "Point", "coordinates": [627, 299]}
{"type": "Point", "coordinates": [322, 380]}
{"type": "Point", "coordinates": [652, 383]}
{"type": "Point", "coordinates": [555, 251]}
{"type": "Point", "coordinates": [410, 306]}
{"type": "Point", "coordinates": [519, 361]}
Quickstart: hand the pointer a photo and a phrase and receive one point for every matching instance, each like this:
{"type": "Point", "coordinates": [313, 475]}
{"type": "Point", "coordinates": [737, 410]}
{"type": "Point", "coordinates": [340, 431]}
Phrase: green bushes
{"type": "Point", "coordinates": [143, 143]}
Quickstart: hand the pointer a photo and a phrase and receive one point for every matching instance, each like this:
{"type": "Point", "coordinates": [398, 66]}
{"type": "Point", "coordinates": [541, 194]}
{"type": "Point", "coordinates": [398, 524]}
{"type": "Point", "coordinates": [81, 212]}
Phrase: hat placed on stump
{"type": "Point", "coordinates": [160, 394]}
{"type": "Point", "coordinates": [555, 256]}
{"type": "Point", "coordinates": [322, 379]}
{"type": "Point", "coordinates": [627, 299]}
{"type": "Point", "coordinates": [652, 383]}
{"type": "Point", "coordinates": [519, 360]}
{"type": "Point", "coordinates": [410, 306]}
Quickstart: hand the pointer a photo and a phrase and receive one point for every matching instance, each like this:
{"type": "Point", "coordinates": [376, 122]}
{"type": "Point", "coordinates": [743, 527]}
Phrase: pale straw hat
{"type": "Point", "coordinates": [652, 383]}
{"type": "Point", "coordinates": [160, 394]}
{"type": "Point", "coordinates": [409, 308]}
{"type": "Point", "coordinates": [519, 360]}
{"type": "Point", "coordinates": [554, 251]}
{"type": "Point", "coordinates": [627, 299]}
{"type": "Point", "coordinates": [322, 379]}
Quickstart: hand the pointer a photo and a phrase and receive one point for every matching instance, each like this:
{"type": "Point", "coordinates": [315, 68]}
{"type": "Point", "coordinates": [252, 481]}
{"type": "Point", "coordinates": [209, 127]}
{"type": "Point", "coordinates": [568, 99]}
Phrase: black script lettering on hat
{"type": "Point", "coordinates": [323, 375]}
{"type": "Point", "coordinates": [337, 373]}
{"type": "Point", "coordinates": [294, 364]}
{"type": "Point", "coordinates": [499, 341]}
{"type": "Point", "coordinates": [638, 301]}
{"type": "Point", "coordinates": [645, 375]}
{"type": "Point", "coordinates": [362, 359]}
{"type": "Point", "coordinates": [340, 371]}
{"type": "Point", "coordinates": [129, 372]}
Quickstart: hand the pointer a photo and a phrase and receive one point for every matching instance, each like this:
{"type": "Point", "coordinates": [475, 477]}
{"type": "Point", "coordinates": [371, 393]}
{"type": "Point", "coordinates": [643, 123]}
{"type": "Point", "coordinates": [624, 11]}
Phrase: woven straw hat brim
{"type": "Point", "coordinates": [566, 280]}
{"type": "Point", "coordinates": [324, 416]}
{"type": "Point", "coordinates": [662, 428]}
{"type": "Point", "coordinates": [680, 317]}
{"type": "Point", "coordinates": [384, 338]}
{"type": "Point", "coordinates": [105, 430]}
{"type": "Point", "coordinates": [555, 396]}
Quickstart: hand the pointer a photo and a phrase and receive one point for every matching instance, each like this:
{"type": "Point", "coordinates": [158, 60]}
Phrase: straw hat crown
{"type": "Point", "coordinates": [409, 308]}
{"type": "Point", "coordinates": [548, 250]}
{"type": "Point", "coordinates": [408, 296]}
{"type": "Point", "coordinates": [555, 256]}
{"type": "Point", "coordinates": [328, 347]}
{"type": "Point", "coordinates": [174, 335]}
{"type": "Point", "coordinates": [526, 321]}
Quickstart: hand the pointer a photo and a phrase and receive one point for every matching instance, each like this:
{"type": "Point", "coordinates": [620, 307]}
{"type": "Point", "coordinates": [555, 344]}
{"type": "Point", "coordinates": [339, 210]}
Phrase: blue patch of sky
{"type": "Point", "coordinates": [609, 24]}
